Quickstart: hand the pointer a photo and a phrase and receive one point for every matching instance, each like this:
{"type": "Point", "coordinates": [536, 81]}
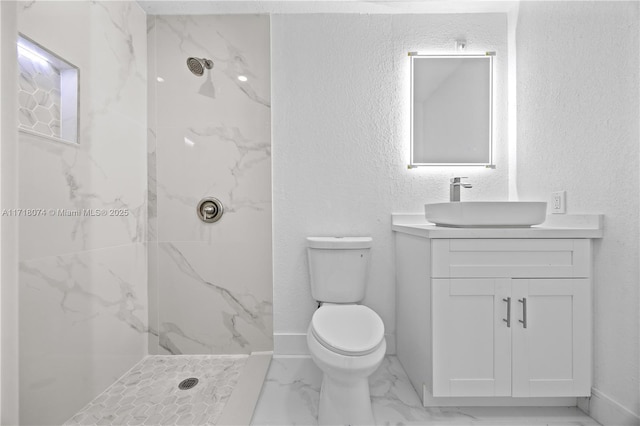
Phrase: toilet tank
{"type": "Point", "coordinates": [338, 268]}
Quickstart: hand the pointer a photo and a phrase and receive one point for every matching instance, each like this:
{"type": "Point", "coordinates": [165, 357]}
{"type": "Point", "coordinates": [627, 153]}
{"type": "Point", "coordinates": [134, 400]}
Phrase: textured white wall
{"type": "Point", "coordinates": [578, 131]}
{"type": "Point", "coordinates": [341, 140]}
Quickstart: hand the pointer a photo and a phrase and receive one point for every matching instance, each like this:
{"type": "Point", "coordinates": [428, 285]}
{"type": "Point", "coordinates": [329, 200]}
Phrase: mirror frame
{"type": "Point", "coordinates": [488, 56]}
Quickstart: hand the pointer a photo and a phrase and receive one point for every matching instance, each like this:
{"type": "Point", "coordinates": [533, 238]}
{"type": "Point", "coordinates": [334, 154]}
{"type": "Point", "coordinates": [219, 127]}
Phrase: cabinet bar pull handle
{"type": "Point", "coordinates": [524, 312]}
{"type": "Point", "coordinates": [508, 320]}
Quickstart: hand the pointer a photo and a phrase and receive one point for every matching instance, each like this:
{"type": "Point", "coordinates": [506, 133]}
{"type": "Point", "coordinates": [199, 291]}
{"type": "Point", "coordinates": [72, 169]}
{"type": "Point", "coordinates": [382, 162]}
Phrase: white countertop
{"type": "Point", "coordinates": [556, 226]}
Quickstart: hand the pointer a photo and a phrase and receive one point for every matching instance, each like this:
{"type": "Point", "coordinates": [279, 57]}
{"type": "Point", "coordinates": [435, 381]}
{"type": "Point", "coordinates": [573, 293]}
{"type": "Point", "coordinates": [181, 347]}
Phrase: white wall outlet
{"type": "Point", "coordinates": [559, 202]}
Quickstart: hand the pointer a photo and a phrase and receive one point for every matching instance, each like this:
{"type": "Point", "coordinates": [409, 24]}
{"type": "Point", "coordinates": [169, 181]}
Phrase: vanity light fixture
{"type": "Point", "coordinates": [435, 141]}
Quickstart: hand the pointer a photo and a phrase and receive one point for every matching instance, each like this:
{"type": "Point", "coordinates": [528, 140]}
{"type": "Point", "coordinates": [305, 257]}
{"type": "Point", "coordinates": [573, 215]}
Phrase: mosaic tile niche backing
{"type": "Point", "coordinates": [47, 93]}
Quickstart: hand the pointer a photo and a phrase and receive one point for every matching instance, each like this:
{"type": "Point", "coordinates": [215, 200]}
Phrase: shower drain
{"type": "Point", "coordinates": [188, 383]}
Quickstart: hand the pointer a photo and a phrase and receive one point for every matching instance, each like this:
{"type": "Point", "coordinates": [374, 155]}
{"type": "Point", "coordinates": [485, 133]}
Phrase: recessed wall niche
{"type": "Point", "coordinates": [47, 93]}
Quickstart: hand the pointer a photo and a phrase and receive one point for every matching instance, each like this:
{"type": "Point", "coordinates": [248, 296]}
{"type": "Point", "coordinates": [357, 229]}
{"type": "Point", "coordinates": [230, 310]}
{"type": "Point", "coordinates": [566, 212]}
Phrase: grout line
{"type": "Point", "coordinates": [238, 356]}
{"type": "Point", "coordinates": [72, 253]}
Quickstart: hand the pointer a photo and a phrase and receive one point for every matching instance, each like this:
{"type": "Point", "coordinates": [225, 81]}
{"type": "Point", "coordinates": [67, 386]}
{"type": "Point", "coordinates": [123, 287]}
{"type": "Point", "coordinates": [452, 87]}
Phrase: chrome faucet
{"type": "Point", "coordinates": [454, 188]}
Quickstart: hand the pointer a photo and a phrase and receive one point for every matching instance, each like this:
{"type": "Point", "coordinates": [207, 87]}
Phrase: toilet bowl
{"type": "Point", "coordinates": [346, 341]}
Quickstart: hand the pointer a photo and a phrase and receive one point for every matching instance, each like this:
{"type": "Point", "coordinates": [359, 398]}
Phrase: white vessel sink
{"type": "Point", "coordinates": [487, 214]}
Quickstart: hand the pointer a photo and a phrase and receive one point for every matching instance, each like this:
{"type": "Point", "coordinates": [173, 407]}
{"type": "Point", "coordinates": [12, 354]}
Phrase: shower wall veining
{"type": "Point", "coordinates": [83, 279]}
{"type": "Point", "coordinates": [210, 284]}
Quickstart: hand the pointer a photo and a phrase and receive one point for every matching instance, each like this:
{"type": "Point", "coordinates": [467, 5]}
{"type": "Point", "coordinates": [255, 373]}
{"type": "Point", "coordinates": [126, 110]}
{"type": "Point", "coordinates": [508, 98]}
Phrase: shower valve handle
{"type": "Point", "coordinates": [210, 210]}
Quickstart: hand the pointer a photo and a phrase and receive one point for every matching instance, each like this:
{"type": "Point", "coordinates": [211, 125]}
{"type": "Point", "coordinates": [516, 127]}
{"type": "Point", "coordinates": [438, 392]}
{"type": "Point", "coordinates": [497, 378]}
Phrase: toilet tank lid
{"type": "Point", "coordinates": [343, 243]}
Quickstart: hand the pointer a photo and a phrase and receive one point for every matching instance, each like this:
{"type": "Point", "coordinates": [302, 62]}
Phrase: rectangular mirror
{"type": "Point", "coordinates": [451, 110]}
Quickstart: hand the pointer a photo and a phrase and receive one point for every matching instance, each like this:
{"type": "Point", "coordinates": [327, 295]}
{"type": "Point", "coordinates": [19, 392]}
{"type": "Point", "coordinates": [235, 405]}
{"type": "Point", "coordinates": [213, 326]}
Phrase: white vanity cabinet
{"type": "Point", "coordinates": [494, 319]}
{"type": "Point", "coordinates": [476, 352]}
{"type": "Point", "coordinates": [471, 344]}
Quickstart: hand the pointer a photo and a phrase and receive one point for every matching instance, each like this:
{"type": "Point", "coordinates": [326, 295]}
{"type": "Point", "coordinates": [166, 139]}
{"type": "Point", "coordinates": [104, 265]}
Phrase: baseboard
{"type": "Point", "coordinates": [606, 411]}
{"type": "Point", "coordinates": [296, 344]}
{"type": "Point", "coordinates": [429, 400]}
{"type": "Point", "coordinates": [290, 344]}
{"type": "Point", "coordinates": [391, 343]}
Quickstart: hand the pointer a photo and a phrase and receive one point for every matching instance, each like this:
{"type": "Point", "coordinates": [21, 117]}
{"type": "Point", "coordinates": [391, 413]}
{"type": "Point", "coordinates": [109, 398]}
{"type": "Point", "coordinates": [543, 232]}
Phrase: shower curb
{"type": "Point", "coordinates": [239, 408]}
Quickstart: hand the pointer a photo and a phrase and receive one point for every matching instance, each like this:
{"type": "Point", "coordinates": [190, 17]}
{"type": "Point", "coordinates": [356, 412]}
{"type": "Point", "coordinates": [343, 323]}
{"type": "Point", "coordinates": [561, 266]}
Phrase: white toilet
{"type": "Point", "coordinates": [346, 340]}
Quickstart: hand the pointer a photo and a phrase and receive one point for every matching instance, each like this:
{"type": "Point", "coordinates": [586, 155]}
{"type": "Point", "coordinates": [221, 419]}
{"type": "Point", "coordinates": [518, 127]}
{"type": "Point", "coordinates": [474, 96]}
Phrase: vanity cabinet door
{"type": "Point", "coordinates": [471, 340]}
{"type": "Point", "coordinates": [552, 350]}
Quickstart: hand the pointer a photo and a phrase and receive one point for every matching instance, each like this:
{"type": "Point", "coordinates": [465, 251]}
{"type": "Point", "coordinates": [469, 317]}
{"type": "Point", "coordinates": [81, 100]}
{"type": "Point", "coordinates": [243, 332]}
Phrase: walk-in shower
{"type": "Point", "coordinates": [125, 294]}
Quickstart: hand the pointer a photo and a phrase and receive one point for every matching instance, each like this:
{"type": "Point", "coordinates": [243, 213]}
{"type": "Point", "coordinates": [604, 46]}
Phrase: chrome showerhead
{"type": "Point", "coordinates": [197, 65]}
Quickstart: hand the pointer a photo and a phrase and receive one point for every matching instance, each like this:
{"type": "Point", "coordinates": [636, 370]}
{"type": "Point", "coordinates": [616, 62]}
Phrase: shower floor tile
{"type": "Point", "coordinates": [149, 395]}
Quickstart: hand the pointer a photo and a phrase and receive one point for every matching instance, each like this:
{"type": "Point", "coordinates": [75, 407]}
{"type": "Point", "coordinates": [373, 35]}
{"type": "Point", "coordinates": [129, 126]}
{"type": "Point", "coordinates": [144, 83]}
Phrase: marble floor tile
{"type": "Point", "coordinates": [292, 387]}
{"type": "Point", "coordinates": [290, 393]}
{"type": "Point", "coordinates": [149, 395]}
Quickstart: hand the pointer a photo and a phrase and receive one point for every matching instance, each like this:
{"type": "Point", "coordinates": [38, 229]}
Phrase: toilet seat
{"type": "Point", "coordinates": [352, 330]}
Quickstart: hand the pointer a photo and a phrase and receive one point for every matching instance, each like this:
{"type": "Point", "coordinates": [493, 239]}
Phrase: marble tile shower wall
{"type": "Point", "coordinates": [83, 294]}
{"type": "Point", "coordinates": [210, 285]}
